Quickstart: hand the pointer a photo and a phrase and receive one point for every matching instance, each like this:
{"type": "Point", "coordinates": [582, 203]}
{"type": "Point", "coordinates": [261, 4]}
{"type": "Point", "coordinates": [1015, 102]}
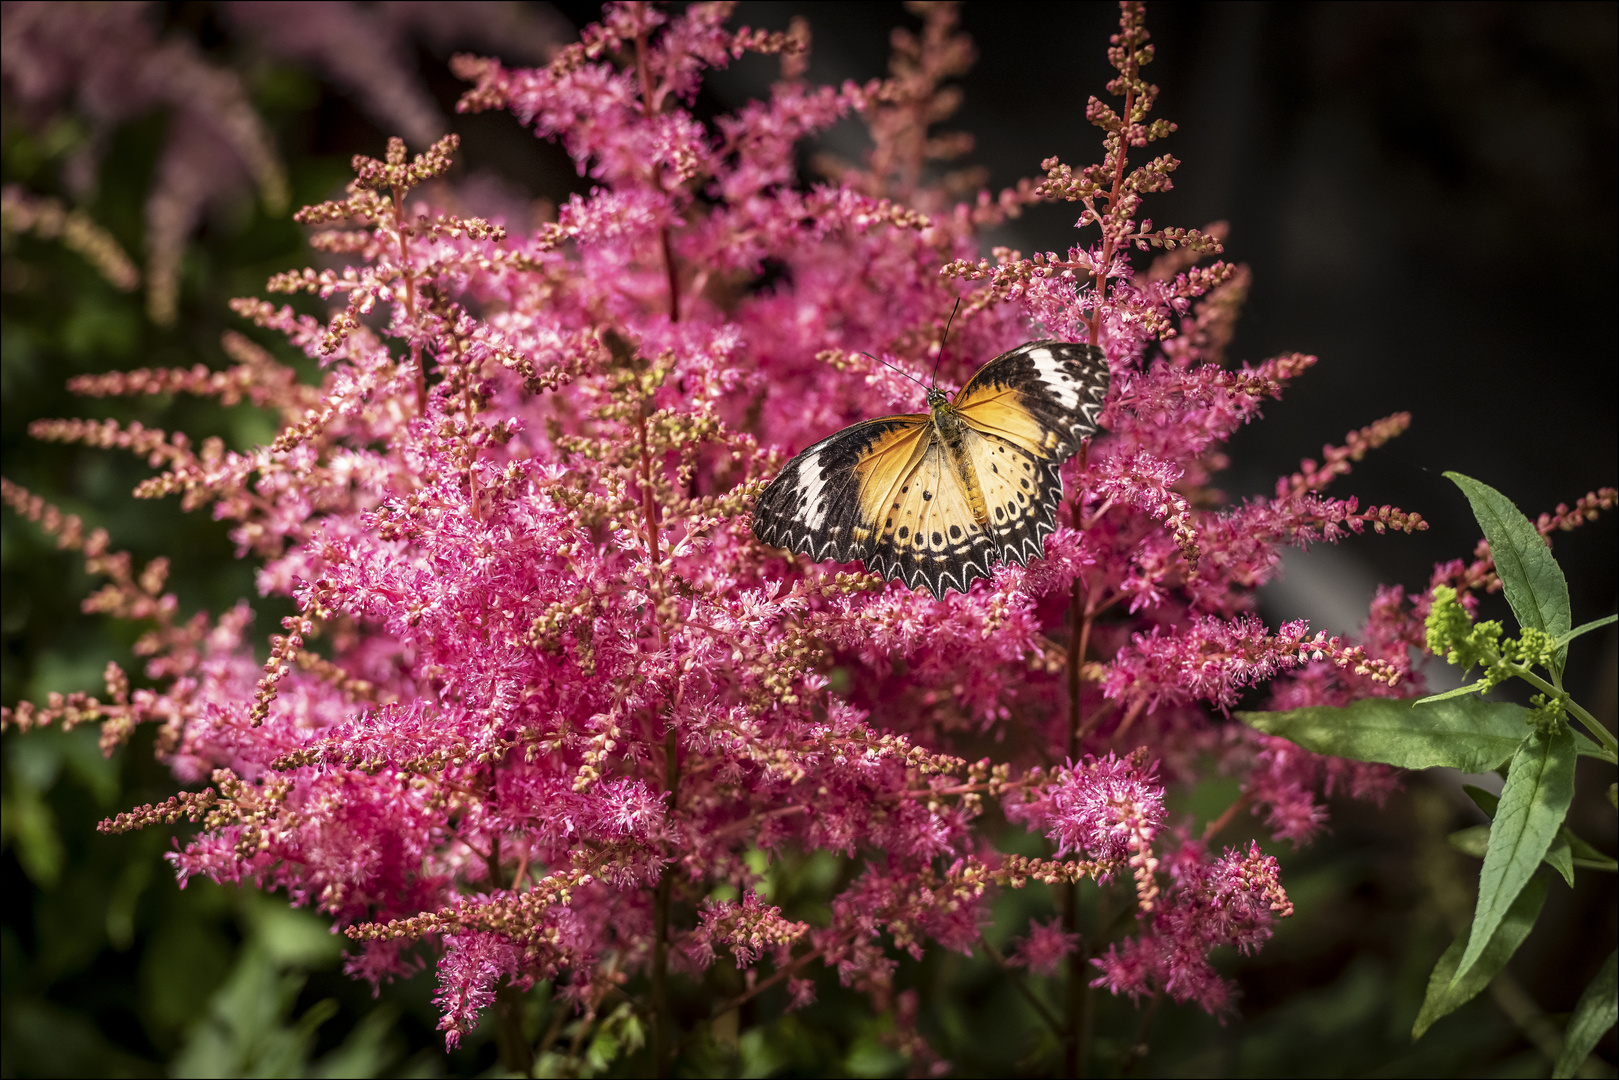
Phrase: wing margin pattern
{"type": "Point", "coordinates": [1044, 395]}
{"type": "Point", "coordinates": [813, 506]}
{"type": "Point", "coordinates": [931, 540]}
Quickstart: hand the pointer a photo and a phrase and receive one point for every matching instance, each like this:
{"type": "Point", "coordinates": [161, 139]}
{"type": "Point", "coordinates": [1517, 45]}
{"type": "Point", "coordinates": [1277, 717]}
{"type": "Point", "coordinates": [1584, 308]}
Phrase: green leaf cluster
{"type": "Point", "coordinates": [1535, 747]}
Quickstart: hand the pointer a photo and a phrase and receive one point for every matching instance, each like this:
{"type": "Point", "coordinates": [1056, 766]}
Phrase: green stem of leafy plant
{"type": "Point", "coordinates": [1602, 734]}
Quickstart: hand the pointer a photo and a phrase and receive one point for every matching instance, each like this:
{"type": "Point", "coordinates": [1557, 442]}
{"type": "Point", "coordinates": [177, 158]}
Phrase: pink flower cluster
{"type": "Point", "coordinates": [1232, 900]}
{"type": "Point", "coordinates": [545, 690]}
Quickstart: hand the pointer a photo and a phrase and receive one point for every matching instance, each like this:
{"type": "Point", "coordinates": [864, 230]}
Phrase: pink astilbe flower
{"type": "Point", "coordinates": [544, 691]}
{"type": "Point", "coordinates": [1045, 949]}
{"type": "Point", "coordinates": [749, 928]}
{"type": "Point", "coordinates": [1233, 900]}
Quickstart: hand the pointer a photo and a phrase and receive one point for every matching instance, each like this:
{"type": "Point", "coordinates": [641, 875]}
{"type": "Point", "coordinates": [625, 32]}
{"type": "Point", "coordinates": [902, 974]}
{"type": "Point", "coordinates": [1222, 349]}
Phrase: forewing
{"type": "Point", "coordinates": [815, 506]}
{"type": "Point", "coordinates": [930, 539]}
{"type": "Point", "coordinates": [1043, 396]}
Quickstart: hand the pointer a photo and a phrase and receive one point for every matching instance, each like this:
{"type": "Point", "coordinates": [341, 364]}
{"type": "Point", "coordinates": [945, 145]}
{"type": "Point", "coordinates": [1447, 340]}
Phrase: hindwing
{"type": "Point", "coordinates": [1021, 494]}
{"type": "Point", "coordinates": [929, 536]}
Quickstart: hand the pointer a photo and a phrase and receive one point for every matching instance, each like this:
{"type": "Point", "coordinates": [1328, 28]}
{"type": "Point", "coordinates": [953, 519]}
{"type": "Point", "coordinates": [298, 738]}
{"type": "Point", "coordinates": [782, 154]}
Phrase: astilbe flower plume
{"type": "Point", "coordinates": [544, 690]}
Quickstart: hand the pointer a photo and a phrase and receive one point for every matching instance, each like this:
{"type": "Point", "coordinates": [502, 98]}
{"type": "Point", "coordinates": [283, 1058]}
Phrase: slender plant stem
{"type": "Point", "coordinates": [662, 1027]}
{"type": "Point", "coordinates": [1073, 1002]}
{"type": "Point", "coordinates": [1112, 201]}
{"type": "Point", "coordinates": [1022, 988]}
{"type": "Point", "coordinates": [671, 273]}
{"type": "Point", "coordinates": [514, 1050]}
{"type": "Point", "coordinates": [1224, 819]}
{"type": "Point", "coordinates": [1078, 641]}
{"type": "Point", "coordinates": [1077, 992]}
{"type": "Point", "coordinates": [662, 1030]}
{"type": "Point", "coordinates": [781, 973]}
{"type": "Point", "coordinates": [1138, 1049]}
{"type": "Point", "coordinates": [401, 230]}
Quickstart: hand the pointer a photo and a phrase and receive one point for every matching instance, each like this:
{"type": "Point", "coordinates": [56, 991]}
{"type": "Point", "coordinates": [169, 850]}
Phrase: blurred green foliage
{"type": "Point", "coordinates": [107, 968]}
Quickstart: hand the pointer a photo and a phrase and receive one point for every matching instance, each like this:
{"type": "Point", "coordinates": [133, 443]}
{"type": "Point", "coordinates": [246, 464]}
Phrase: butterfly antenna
{"type": "Point", "coordinates": [934, 378]}
{"type": "Point", "coordinates": [904, 373]}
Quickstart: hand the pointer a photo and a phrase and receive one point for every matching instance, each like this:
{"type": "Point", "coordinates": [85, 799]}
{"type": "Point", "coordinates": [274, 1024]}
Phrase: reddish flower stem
{"type": "Point", "coordinates": [1112, 201]}
{"type": "Point", "coordinates": [401, 230]}
{"type": "Point", "coordinates": [662, 1029]}
{"type": "Point", "coordinates": [1224, 819]}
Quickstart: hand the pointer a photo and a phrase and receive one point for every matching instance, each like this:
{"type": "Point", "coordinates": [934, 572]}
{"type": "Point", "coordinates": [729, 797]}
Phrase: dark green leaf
{"type": "Point", "coordinates": [1585, 853]}
{"type": "Point", "coordinates": [1484, 800]}
{"type": "Point", "coordinates": [1469, 734]}
{"type": "Point", "coordinates": [1446, 994]}
{"type": "Point", "coordinates": [1534, 801]}
{"type": "Point", "coordinates": [1530, 577]}
{"type": "Point", "coordinates": [1558, 858]}
{"type": "Point", "coordinates": [1597, 1011]}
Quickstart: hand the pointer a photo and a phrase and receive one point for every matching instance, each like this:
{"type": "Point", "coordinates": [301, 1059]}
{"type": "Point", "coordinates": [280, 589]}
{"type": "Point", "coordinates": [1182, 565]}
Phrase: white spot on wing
{"type": "Point", "coordinates": [811, 510]}
{"type": "Point", "coordinates": [1055, 378]}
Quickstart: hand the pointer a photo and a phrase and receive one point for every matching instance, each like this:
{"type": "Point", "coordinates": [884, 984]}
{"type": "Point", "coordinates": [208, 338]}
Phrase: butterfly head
{"type": "Point", "coordinates": [937, 399]}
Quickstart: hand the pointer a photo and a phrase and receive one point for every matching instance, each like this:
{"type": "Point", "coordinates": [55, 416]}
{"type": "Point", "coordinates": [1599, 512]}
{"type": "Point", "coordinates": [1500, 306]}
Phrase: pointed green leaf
{"type": "Point", "coordinates": [1460, 691]}
{"type": "Point", "coordinates": [1597, 1011]}
{"type": "Point", "coordinates": [1586, 628]}
{"type": "Point", "coordinates": [1530, 577]}
{"type": "Point", "coordinates": [1445, 994]}
{"type": "Point", "coordinates": [1475, 841]}
{"type": "Point", "coordinates": [1588, 747]}
{"type": "Point", "coordinates": [1534, 801]}
{"type": "Point", "coordinates": [1484, 800]}
{"type": "Point", "coordinates": [1559, 858]}
{"type": "Point", "coordinates": [1586, 855]}
{"type": "Point", "coordinates": [1469, 734]}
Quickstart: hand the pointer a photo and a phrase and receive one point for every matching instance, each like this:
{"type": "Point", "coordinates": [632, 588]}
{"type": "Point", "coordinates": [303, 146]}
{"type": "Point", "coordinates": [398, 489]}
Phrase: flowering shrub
{"type": "Point", "coordinates": [548, 710]}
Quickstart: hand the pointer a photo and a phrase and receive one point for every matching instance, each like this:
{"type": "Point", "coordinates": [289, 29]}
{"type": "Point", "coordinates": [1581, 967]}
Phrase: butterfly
{"type": "Point", "coordinates": [937, 499]}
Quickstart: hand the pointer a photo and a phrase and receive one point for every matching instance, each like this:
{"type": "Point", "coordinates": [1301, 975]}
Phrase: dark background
{"type": "Point", "coordinates": [1425, 195]}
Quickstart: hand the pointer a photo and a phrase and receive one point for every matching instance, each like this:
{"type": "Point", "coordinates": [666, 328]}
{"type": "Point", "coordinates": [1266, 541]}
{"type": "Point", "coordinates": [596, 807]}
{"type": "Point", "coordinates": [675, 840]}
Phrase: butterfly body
{"type": "Point", "coordinates": [936, 499]}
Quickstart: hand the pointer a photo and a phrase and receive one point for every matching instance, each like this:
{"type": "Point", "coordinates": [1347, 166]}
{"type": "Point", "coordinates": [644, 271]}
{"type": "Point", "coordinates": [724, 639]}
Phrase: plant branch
{"type": "Point", "coordinates": [1224, 819]}
{"type": "Point", "coordinates": [1022, 988]}
{"type": "Point", "coordinates": [1603, 735]}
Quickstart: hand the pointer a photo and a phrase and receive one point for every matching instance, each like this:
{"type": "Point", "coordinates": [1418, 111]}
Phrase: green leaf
{"type": "Point", "coordinates": [1585, 628]}
{"type": "Point", "coordinates": [1460, 691]}
{"type": "Point", "coordinates": [1560, 856]}
{"type": "Point", "coordinates": [1484, 800]}
{"type": "Point", "coordinates": [1597, 1011]}
{"type": "Point", "coordinates": [1589, 747]}
{"type": "Point", "coordinates": [1446, 994]}
{"type": "Point", "coordinates": [1530, 577]}
{"type": "Point", "coordinates": [1586, 855]}
{"type": "Point", "coordinates": [1469, 734]}
{"type": "Point", "coordinates": [1534, 801]}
